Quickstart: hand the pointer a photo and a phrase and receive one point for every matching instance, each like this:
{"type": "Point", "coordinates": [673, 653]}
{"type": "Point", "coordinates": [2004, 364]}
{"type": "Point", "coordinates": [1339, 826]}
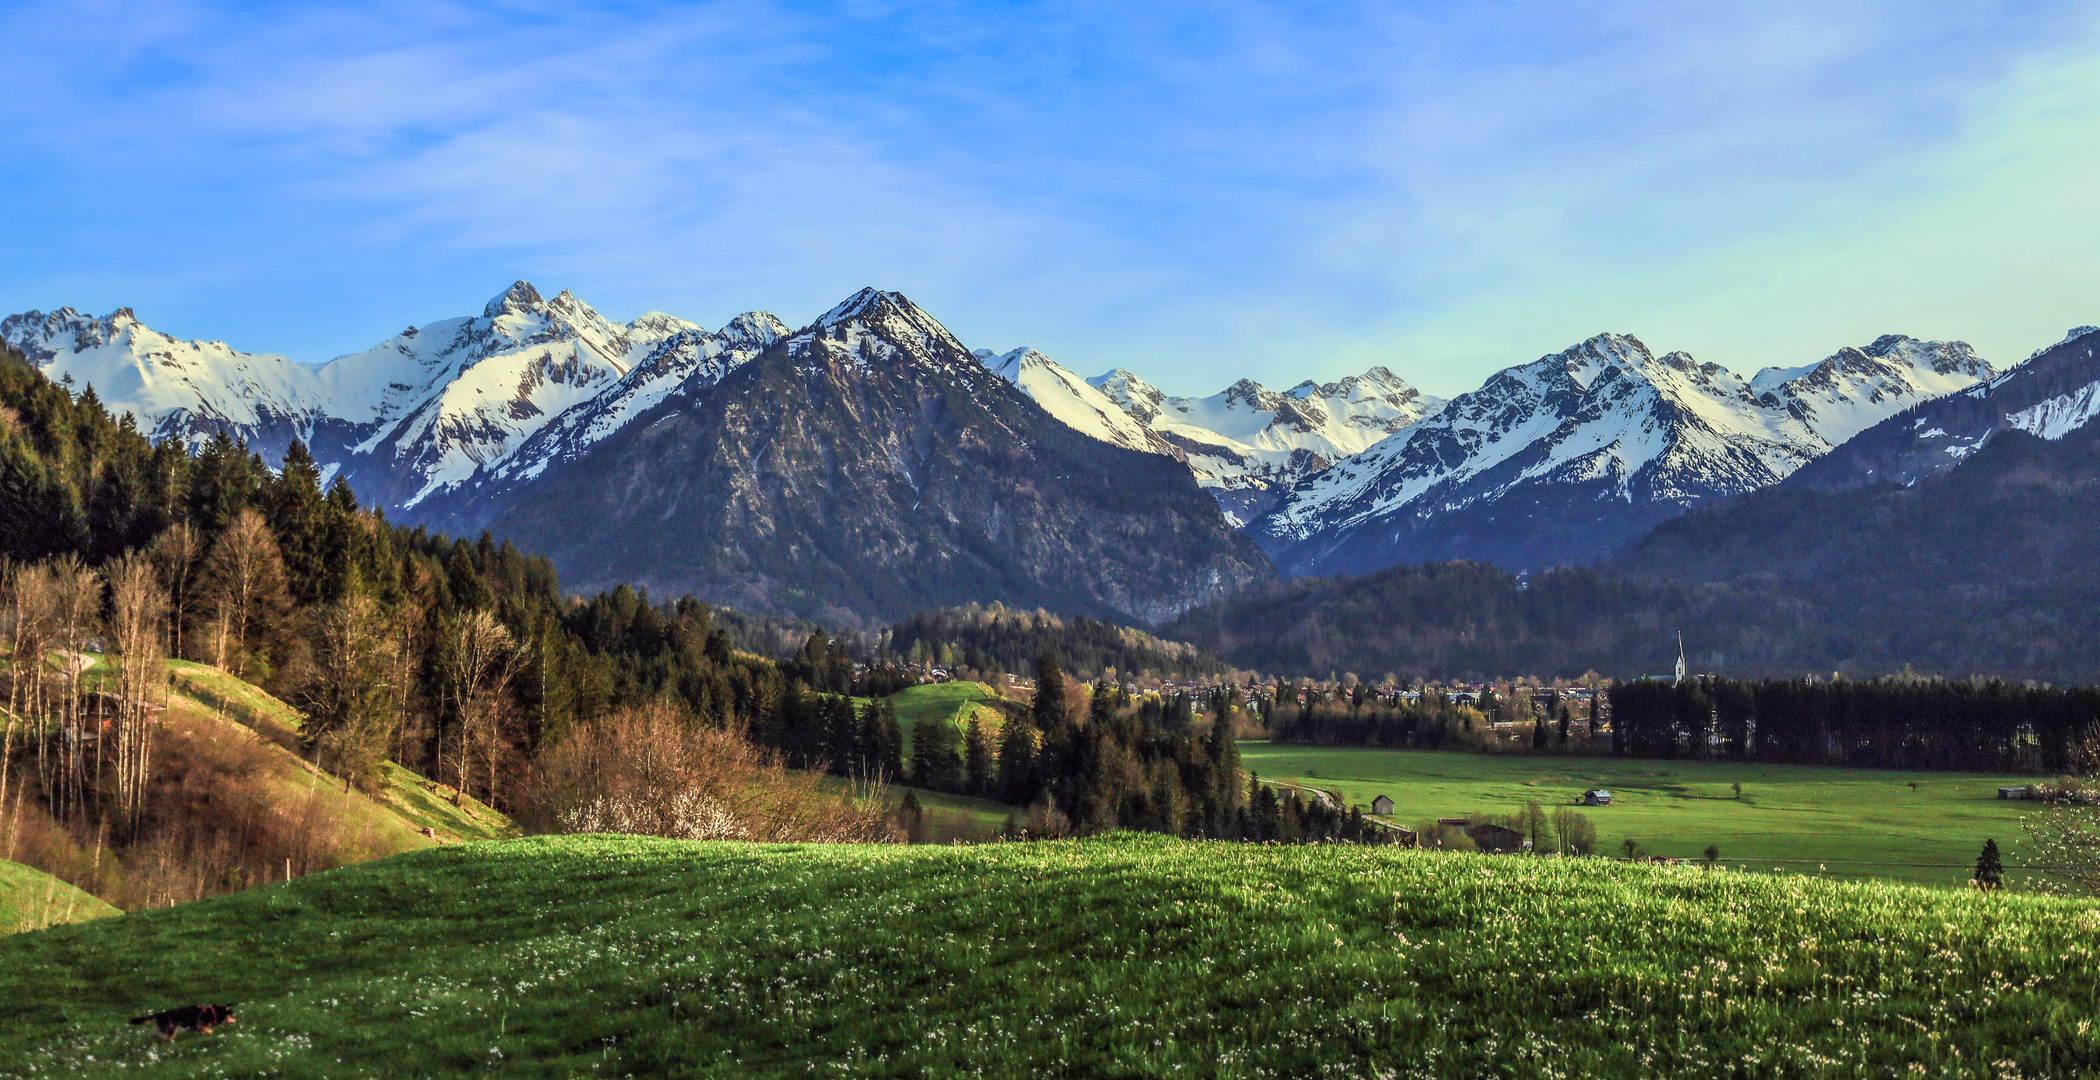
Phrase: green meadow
{"type": "Point", "coordinates": [1121, 956]}
{"type": "Point", "coordinates": [31, 900]}
{"type": "Point", "coordinates": [955, 702]}
{"type": "Point", "coordinates": [1840, 822]}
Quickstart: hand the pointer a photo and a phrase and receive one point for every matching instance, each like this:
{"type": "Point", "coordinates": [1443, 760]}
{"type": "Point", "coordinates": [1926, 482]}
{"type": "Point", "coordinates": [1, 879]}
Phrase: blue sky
{"type": "Point", "coordinates": [1197, 192]}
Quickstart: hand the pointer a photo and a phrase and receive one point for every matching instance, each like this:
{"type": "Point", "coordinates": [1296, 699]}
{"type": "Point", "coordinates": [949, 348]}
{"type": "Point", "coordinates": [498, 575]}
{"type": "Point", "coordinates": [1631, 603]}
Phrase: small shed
{"type": "Point", "coordinates": [2015, 793]}
{"type": "Point", "coordinates": [1596, 797]}
{"type": "Point", "coordinates": [1496, 838]}
{"type": "Point", "coordinates": [1382, 806]}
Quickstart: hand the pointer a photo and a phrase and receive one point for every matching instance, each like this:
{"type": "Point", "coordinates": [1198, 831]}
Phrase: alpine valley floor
{"type": "Point", "coordinates": [1121, 956]}
{"type": "Point", "coordinates": [1924, 827]}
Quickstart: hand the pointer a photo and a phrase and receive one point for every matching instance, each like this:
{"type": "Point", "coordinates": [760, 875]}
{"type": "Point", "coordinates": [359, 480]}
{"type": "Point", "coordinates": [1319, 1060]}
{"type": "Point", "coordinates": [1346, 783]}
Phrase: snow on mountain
{"type": "Point", "coordinates": [1605, 418]}
{"type": "Point", "coordinates": [860, 469]}
{"type": "Point", "coordinates": [685, 363]}
{"type": "Point", "coordinates": [1854, 389]}
{"type": "Point", "coordinates": [2051, 394]}
{"type": "Point", "coordinates": [1247, 444]}
{"type": "Point", "coordinates": [1069, 398]}
{"type": "Point", "coordinates": [175, 389]}
{"type": "Point", "coordinates": [437, 404]}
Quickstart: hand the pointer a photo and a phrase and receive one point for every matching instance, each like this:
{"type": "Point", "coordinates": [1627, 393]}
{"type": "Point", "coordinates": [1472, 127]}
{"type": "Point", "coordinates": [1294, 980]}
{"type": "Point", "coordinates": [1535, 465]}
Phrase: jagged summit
{"type": "Point", "coordinates": [2050, 395]}
{"type": "Point", "coordinates": [185, 390]}
{"type": "Point", "coordinates": [1072, 400]}
{"type": "Point", "coordinates": [520, 297]}
{"type": "Point", "coordinates": [461, 421]}
{"type": "Point", "coordinates": [1569, 457]}
{"type": "Point", "coordinates": [1248, 444]}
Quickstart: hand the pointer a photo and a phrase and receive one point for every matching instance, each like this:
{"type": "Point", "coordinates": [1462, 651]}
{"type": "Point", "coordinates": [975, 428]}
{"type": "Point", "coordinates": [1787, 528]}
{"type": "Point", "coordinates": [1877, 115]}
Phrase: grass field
{"type": "Point", "coordinates": [1123, 956]}
{"type": "Point", "coordinates": [239, 701]}
{"type": "Point", "coordinates": [1841, 822]}
{"type": "Point", "coordinates": [31, 900]}
{"type": "Point", "coordinates": [955, 702]}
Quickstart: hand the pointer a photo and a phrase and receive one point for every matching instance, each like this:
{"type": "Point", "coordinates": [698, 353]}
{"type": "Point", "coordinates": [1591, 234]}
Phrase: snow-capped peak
{"type": "Point", "coordinates": [1248, 443]}
{"type": "Point", "coordinates": [520, 298]}
{"type": "Point", "coordinates": [1855, 388]}
{"type": "Point", "coordinates": [1070, 399]}
{"type": "Point", "coordinates": [1557, 443]}
{"type": "Point", "coordinates": [873, 326]}
{"type": "Point", "coordinates": [176, 389]}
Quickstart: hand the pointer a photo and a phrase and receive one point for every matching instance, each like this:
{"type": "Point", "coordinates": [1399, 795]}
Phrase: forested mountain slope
{"type": "Point", "coordinates": [1990, 568]}
{"type": "Point", "coordinates": [1993, 565]}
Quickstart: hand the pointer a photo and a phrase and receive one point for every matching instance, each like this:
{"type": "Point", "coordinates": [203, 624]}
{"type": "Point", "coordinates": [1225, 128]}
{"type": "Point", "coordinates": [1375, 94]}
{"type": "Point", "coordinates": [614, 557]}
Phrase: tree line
{"type": "Point", "coordinates": [1088, 758]}
{"type": "Point", "coordinates": [995, 638]}
{"type": "Point", "coordinates": [1890, 723]}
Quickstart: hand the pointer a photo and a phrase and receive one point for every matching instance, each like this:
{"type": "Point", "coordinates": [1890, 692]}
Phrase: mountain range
{"type": "Point", "coordinates": [869, 463]}
{"type": "Point", "coordinates": [1571, 457]}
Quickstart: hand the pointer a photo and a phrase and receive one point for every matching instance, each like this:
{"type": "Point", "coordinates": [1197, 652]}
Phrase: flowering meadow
{"type": "Point", "coordinates": [1121, 956]}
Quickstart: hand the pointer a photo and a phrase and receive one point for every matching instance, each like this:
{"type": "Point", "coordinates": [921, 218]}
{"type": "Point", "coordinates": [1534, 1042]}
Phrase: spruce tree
{"type": "Point", "coordinates": [977, 759]}
{"type": "Point", "coordinates": [1018, 782]}
{"type": "Point", "coordinates": [1990, 869]}
{"type": "Point", "coordinates": [890, 750]}
{"type": "Point", "coordinates": [1048, 711]}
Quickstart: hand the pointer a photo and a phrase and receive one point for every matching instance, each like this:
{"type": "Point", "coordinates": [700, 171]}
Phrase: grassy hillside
{"type": "Point", "coordinates": [231, 803]}
{"type": "Point", "coordinates": [394, 816]}
{"type": "Point", "coordinates": [1845, 822]}
{"type": "Point", "coordinates": [31, 900]}
{"type": "Point", "coordinates": [1125, 956]}
{"type": "Point", "coordinates": [955, 702]}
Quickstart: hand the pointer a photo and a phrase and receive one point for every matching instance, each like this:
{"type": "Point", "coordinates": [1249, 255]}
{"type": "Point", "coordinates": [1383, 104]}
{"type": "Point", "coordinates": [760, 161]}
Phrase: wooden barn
{"type": "Point", "coordinates": [1382, 806]}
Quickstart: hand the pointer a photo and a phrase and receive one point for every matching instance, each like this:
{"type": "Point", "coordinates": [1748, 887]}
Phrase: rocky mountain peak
{"type": "Point", "coordinates": [519, 299]}
{"type": "Point", "coordinates": [754, 329]}
{"type": "Point", "coordinates": [1134, 395]}
{"type": "Point", "coordinates": [876, 327]}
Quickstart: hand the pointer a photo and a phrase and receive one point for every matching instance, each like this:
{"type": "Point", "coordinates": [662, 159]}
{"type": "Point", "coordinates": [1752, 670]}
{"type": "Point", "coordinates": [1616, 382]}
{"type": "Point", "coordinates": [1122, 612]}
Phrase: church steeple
{"type": "Point", "coordinates": [1680, 660]}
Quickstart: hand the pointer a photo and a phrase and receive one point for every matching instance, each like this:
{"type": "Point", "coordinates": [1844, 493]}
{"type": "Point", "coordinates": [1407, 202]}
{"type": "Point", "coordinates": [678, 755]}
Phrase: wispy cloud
{"type": "Point", "coordinates": [1197, 192]}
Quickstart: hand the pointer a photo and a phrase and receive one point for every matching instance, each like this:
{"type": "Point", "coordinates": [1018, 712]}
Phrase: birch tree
{"type": "Point", "coordinates": [138, 616]}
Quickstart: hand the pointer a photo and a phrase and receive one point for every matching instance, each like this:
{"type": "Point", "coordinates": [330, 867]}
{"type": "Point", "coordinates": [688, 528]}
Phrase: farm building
{"type": "Point", "coordinates": [1496, 838]}
{"type": "Point", "coordinates": [1596, 797]}
{"type": "Point", "coordinates": [1382, 806]}
{"type": "Point", "coordinates": [2015, 793]}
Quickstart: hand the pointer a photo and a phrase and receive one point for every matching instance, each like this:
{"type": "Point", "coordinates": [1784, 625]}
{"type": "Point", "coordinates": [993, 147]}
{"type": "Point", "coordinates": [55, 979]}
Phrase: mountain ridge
{"type": "Point", "coordinates": [1570, 457]}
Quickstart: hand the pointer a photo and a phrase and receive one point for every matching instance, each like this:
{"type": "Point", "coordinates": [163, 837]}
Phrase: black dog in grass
{"type": "Point", "coordinates": [201, 1018]}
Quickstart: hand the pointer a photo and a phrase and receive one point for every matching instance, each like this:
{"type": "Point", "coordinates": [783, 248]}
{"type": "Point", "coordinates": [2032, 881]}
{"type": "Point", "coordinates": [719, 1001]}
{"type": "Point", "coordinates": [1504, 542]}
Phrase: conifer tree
{"type": "Point", "coordinates": [1049, 709]}
{"type": "Point", "coordinates": [1990, 869]}
{"type": "Point", "coordinates": [891, 749]}
{"type": "Point", "coordinates": [1019, 782]}
{"type": "Point", "coordinates": [977, 759]}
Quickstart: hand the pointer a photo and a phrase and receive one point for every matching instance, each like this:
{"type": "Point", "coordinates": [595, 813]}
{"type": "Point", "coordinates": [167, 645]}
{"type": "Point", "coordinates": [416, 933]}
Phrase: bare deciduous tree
{"type": "Point", "coordinates": [247, 579]}
{"type": "Point", "coordinates": [175, 554]}
{"type": "Point", "coordinates": [76, 607]}
{"type": "Point", "coordinates": [138, 613]}
{"type": "Point", "coordinates": [481, 662]}
{"type": "Point", "coordinates": [350, 702]}
{"type": "Point", "coordinates": [2065, 835]}
{"type": "Point", "coordinates": [651, 771]}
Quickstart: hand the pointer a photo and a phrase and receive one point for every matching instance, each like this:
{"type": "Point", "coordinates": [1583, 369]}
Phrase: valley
{"type": "Point", "coordinates": [1918, 827]}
